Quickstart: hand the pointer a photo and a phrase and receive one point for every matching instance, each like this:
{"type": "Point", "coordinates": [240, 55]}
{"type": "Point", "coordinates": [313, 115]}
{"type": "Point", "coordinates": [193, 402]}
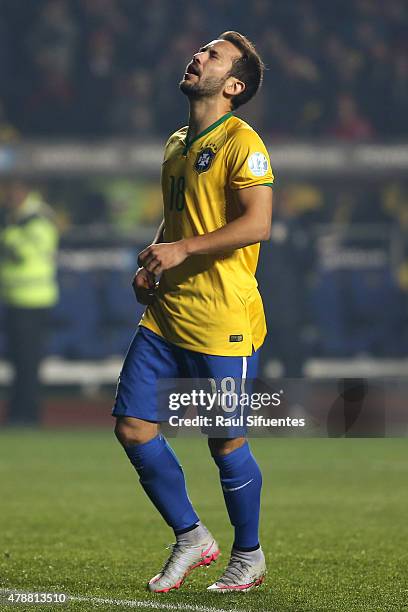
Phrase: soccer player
{"type": "Point", "coordinates": [205, 316]}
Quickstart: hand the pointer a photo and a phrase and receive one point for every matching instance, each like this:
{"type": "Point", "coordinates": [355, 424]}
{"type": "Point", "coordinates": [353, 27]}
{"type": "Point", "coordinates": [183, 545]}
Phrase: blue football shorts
{"type": "Point", "coordinates": [151, 358]}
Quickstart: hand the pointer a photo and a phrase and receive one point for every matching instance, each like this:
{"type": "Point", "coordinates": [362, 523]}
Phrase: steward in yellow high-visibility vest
{"type": "Point", "coordinates": [28, 289]}
{"type": "Point", "coordinates": [28, 245]}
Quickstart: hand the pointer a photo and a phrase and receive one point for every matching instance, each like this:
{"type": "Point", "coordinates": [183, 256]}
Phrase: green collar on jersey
{"type": "Point", "coordinates": [210, 128]}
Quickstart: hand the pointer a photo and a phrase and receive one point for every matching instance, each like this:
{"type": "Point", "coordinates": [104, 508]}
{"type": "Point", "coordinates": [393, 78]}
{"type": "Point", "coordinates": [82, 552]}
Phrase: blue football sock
{"type": "Point", "coordinates": [241, 482]}
{"type": "Point", "coordinates": [162, 478]}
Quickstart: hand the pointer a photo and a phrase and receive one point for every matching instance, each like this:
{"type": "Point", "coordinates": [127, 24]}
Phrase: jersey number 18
{"type": "Point", "coordinates": [177, 197]}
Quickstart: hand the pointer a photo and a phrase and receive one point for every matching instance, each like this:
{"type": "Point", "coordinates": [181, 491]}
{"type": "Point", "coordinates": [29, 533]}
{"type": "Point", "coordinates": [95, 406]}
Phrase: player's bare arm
{"type": "Point", "coordinates": [251, 227]}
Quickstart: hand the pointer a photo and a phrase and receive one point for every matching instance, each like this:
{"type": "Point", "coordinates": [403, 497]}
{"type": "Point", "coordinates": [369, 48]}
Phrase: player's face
{"type": "Point", "coordinates": [209, 69]}
{"type": "Point", "coordinates": [16, 192]}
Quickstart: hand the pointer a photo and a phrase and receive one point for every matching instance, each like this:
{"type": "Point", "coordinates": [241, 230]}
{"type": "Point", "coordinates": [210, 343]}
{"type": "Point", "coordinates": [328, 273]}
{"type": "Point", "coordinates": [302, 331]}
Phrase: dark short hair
{"type": "Point", "coordinates": [248, 68]}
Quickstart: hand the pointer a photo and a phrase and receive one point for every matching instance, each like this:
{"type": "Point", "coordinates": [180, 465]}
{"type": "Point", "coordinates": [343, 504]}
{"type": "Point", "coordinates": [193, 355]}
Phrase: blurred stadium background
{"type": "Point", "coordinates": [88, 96]}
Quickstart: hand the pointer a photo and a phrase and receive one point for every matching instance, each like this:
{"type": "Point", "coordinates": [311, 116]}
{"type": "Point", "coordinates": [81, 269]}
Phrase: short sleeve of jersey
{"type": "Point", "coordinates": [248, 160]}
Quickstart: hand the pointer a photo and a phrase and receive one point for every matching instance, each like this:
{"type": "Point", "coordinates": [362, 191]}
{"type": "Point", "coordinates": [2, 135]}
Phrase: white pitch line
{"type": "Point", "coordinates": [129, 603]}
{"type": "Point", "coordinates": [151, 604]}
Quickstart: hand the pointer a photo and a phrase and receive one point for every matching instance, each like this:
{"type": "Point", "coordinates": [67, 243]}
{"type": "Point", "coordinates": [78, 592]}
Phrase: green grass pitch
{"type": "Point", "coordinates": [334, 524]}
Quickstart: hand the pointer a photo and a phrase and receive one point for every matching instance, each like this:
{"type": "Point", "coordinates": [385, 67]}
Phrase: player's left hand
{"type": "Point", "coordinates": [157, 258]}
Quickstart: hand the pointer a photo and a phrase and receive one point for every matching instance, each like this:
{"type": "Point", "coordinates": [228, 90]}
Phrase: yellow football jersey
{"type": "Point", "coordinates": [210, 303]}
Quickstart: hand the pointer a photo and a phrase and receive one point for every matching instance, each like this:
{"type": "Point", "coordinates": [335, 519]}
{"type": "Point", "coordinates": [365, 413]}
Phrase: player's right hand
{"type": "Point", "coordinates": [144, 286]}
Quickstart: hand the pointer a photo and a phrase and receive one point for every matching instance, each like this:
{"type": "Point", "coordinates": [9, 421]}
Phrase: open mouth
{"type": "Point", "coordinates": [191, 69]}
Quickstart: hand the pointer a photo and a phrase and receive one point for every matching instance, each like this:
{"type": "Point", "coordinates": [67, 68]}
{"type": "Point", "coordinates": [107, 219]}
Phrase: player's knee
{"type": "Point", "coordinates": [123, 432]}
{"type": "Point", "coordinates": [134, 431]}
{"type": "Point", "coordinates": [224, 446]}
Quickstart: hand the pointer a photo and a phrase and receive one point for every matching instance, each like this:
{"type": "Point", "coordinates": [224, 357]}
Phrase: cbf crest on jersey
{"type": "Point", "coordinates": [204, 160]}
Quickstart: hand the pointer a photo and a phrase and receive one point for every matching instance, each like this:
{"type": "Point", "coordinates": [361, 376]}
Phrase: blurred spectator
{"type": "Point", "coordinates": [28, 289]}
{"type": "Point", "coordinates": [51, 47]}
{"type": "Point", "coordinates": [350, 125]}
{"type": "Point", "coordinates": [96, 83]}
{"type": "Point", "coordinates": [290, 265]}
{"type": "Point", "coordinates": [97, 14]}
{"type": "Point", "coordinates": [50, 105]}
{"type": "Point", "coordinates": [53, 39]}
{"type": "Point", "coordinates": [132, 113]}
{"type": "Point", "coordinates": [69, 66]}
